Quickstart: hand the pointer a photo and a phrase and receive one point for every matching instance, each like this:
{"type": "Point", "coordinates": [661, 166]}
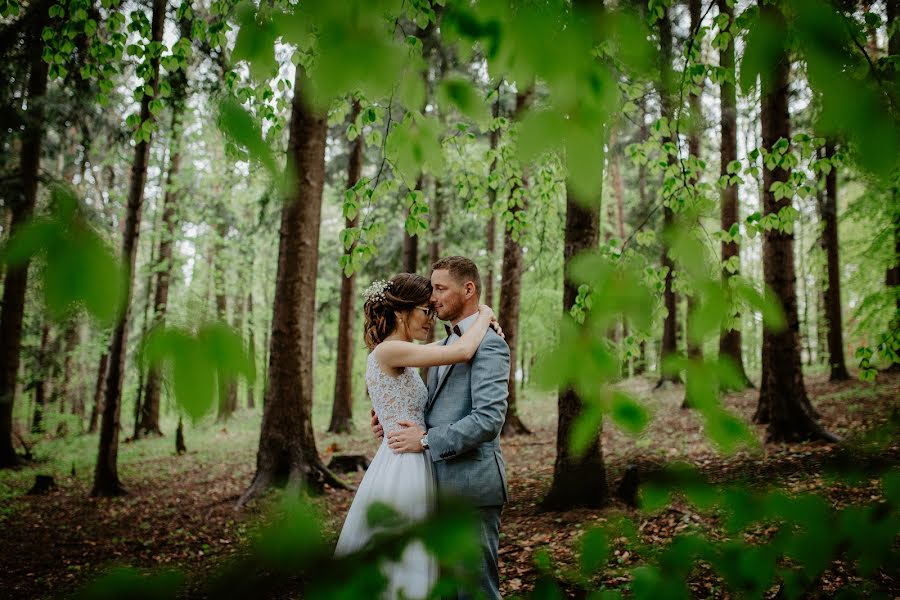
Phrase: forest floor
{"type": "Point", "coordinates": [180, 512]}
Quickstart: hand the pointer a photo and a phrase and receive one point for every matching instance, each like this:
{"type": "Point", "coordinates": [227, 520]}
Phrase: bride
{"type": "Point", "coordinates": [396, 313]}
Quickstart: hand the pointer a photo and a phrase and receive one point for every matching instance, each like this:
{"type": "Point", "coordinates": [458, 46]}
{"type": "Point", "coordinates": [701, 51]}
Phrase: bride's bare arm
{"type": "Point", "coordinates": [396, 354]}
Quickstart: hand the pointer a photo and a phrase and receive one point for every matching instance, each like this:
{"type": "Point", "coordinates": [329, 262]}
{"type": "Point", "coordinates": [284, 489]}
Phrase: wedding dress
{"type": "Point", "coordinates": [402, 481]}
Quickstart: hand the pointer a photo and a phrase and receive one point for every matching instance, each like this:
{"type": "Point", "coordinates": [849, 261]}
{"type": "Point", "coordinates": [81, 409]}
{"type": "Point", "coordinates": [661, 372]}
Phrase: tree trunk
{"type": "Point", "coordinates": [892, 274]}
{"type": "Point", "coordinates": [669, 343]}
{"type": "Point", "coordinates": [411, 243]}
{"type": "Point", "coordinates": [782, 397]}
{"type": "Point", "coordinates": [833, 291]}
{"type": "Point", "coordinates": [510, 303]}
{"type": "Point", "coordinates": [251, 345]}
{"type": "Point", "coordinates": [491, 226]}
{"type": "Point", "coordinates": [511, 290]}
{"type": "Point", "coordinates": [12, 309]}
{"type": "Point", "coordinates": [640, 366]}
{"type": "Point", "coordinates": [227, 386]}
{"type": "Point", "coordinates": [67, 385]}
{"type": "Point", "coordinates": [434, 250]}
{"type": "Point", "coordinates": [342, 407]}
{"type": "Point", "coordinates": [616, 175]}
{"type": "Point", "coordinates": [695, 123]}
{"type": "Point", "coordinates": [730, 339]}
{"type": "Point", "coordinates": [287, 444]}
{"type": "Point", "coordinates": [145, 328]}
{"type": "Point", "coordinates": [106, 475]}
{"type": "Point", "coordinates": [577, 481]}
{"type": "Point", "coordinates": [98, 393]}
{"type": "Point", "coordinates": [40, 382]}
{"type": "Point", "coordinates": [150, 409]}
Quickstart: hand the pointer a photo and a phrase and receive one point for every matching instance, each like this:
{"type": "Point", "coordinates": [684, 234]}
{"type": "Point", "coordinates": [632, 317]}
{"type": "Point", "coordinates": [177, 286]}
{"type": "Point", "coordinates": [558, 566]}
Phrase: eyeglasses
{"type": "Point", "coordinates": [430, 313]}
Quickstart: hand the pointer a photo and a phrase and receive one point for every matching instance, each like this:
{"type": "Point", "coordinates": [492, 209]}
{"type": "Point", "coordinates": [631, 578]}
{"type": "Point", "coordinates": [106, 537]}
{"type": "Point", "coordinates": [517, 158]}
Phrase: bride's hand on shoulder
{"type": "Point", "coordinates": [487, 311]}
{"type": "Point", "coordinates": [495, 325]}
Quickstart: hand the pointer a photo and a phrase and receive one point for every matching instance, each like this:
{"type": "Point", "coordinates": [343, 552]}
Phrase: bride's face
{"type": "Point", "coordinates": [419, 322]}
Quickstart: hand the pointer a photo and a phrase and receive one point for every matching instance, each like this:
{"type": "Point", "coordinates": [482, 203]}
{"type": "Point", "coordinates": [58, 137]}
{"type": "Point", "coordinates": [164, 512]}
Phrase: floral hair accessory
{"type": "Point", "coordinates": [376, 290]}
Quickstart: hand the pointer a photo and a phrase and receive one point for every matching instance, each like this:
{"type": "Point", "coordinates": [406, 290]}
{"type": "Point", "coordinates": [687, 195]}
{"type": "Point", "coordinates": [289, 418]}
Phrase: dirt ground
{"type": "Point", "coordinates": [181, 510]}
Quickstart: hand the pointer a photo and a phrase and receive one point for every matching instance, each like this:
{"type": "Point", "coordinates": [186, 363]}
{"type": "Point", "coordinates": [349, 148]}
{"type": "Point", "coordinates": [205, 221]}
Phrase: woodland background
{"type": "Point", "coordinates": [685, 216]}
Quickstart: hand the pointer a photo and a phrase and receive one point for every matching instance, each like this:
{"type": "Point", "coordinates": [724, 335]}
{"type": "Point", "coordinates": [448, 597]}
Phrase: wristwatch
{"type": "Point", "coordinates": [424, 442]}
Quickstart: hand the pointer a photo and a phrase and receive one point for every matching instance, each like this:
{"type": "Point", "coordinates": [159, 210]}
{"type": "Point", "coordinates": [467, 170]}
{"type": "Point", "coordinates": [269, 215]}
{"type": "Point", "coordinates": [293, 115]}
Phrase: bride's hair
{"type": "Point", "coordinates": [402, 293]}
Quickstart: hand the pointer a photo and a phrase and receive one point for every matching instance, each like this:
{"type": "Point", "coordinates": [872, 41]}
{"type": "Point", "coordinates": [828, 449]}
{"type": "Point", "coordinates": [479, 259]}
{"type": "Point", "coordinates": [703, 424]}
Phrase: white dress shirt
{"type": "Point", "coordinates": [463, 326]}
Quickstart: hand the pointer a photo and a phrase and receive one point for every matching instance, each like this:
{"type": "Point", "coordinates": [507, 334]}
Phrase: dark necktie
{"type": "Point", "coordinates": [455, 329]}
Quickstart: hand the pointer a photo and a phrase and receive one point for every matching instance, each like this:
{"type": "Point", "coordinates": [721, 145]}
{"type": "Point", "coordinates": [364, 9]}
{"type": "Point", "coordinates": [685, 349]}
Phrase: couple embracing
{"type": "Point", "coordinates": [440, 436]}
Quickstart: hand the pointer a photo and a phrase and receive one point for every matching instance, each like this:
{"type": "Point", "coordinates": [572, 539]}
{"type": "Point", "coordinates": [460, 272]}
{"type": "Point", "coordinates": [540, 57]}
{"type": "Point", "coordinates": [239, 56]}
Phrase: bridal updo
{"type": "Point", "coordinates": [384, 299]}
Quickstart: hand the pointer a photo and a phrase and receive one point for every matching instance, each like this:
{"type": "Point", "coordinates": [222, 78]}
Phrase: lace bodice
{"type": "Point", "coordinates": [396, 398]}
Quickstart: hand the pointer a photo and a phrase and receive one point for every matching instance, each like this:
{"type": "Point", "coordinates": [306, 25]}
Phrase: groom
{"type": "Point", "coordinates": [465, 412]}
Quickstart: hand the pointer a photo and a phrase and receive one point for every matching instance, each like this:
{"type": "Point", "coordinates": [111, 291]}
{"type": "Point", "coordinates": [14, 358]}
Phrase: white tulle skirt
{"type": "Point", "coordinates": [404, 482]}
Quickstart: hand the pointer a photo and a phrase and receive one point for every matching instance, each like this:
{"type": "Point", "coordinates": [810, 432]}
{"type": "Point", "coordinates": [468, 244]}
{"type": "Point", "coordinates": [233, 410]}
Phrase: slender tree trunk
{"type": "Point", "coordinates": [615, 166]}
{"type": "Point", "coordinates": [67, 385]}
{"type": "Point", "coordinates": [145, 327]}
{"type": "Point", "coordinates": [227, 386]}
{"type": "Point", "coordinates": [434, 249]}
{"type": "Point", "coordinates": [490, 233]}
{"type": "Point", "coordinates": [510, 304]}
{"type": "Point", "coordinates": [411, 242]}
{"type": "Point", "coordinates": [729, 339]}
{"type": "Point", "coordinates": [287, 444]}
{"type": "Point", "coordinates": [577, 481]}
{"type": "Point", "coordinates": [782, 397]}
{"type": "Point", "coordinates": [437, 225]}
{"type": "Point", "coordinates": [892, 275]}
{"type": "Point", "coordinates": [669, 343]}
{"type": "Point", "coordinates": [12, 309]}
{"type": "Point", "coordinates": [238, 325]}
{"type": "Point", "coordinates": [98, 393]}
{"type": "Point", "coordinates": [491, 226]}
{"type": "Point", "coordinates": [833, 291]}
{"type": "Point", "coordinates": [342, 406]}
{"type": "Point", "coordinates": [694, 347]}
{"type": "Point", "coordinates": [151, 406]}
{"type": "Point", "coordinates": [40, 382]}
{"type": "Point", "coordinates": [106, 475]}
{"type": "Point", "coordinates": [251, 345]}
{"type": "Point", "coordinates": [511, 289]}
{"type": "Point", "coordinates": [643, 202]}
{"type": "Point", "coordinates": [805, 337]}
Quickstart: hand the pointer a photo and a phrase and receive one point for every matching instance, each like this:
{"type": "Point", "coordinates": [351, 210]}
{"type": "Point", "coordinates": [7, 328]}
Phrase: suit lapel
{"type": "Point", "coordinates": [434, 385]}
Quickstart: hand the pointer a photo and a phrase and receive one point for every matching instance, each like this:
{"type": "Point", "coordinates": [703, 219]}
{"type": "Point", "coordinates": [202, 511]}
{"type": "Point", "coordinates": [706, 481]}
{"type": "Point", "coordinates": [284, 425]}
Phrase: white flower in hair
{"type": "Point", "coordinates": [376, 290]}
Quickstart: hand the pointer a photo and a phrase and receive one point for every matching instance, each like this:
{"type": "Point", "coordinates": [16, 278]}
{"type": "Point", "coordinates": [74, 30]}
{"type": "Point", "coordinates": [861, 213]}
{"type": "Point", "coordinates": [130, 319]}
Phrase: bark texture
{"type": "Point", "coordinates": [511, 292]}
{"type": "Point", "coordinates": [783, 402]}
{"type": "Point", "coordinates": [836, 364]}
{"type": "Point", "coordinates": [15, 284]}
{"type": "Point", "coordinates": [106, 473]}
{"type": "Point", "coordinates": [287, 445]}
{"type": "Point", "coordinates": [730, 339]}
{"type": "Point", "coordinates": [149, 424]}
{"type": "Point", "coordinates": [577, 481]}
{"type": "Point", "coordinates": [342, 407]}
{"type": "Point", "coordinates": [669, 342]}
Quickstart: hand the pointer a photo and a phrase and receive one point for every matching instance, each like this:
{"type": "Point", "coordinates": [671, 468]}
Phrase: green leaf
{"type": "Point", "coordinates": [237, 124]}
{"type": "Point", "coordinates": [628, 413]}
{"type": "Point", "coordinates": [764, 46]}
{"type": "Point", "coordinates": [255, 42]}
{"type": "Point", "coordinates": [594, 550]}
{"type": "Point", "coordinates": [459, 92]}
{"type": "Point", "coordinates": [585, 429]}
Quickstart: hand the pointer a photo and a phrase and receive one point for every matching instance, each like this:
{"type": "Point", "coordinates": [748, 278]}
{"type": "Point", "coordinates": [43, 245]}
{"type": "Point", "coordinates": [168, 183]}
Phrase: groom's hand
{"type": "Point", "coordinates": [408, 439]}
{"type": "Point", "coordinates": [377, 429]}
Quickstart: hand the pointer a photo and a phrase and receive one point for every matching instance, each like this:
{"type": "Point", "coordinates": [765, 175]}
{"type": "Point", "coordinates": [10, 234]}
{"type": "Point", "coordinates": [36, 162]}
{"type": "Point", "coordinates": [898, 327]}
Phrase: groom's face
{"type": "Point", "coordinates": [448, 296]}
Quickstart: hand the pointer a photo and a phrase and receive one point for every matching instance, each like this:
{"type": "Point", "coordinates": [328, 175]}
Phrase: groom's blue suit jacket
{"type": "Point", "coordinates": [464, 415]}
